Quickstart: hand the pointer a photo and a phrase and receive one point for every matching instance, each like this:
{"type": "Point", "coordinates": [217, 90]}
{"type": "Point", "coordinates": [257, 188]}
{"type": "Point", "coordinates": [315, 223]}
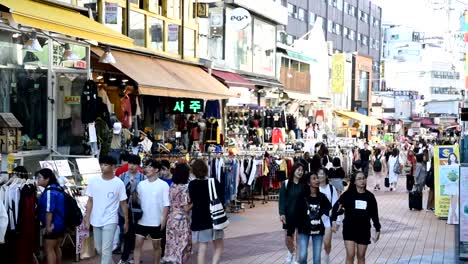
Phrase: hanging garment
{"type": "Point", "coordinates": [89, 102]}
{"type": "Point", "coordinates": [212, 109]}
{"type": "Point", "coordinates": [277, 136]}
{"type": "Point", "coordinates": [27, 228]}
{"type": "Point", "coordinates": [213, 132]}
{"type": "Point", "coordinates": [126, 112]}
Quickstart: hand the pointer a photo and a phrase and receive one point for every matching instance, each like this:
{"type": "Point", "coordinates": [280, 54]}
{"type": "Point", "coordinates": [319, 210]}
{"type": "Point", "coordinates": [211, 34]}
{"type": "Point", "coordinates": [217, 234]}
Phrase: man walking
{"type": "Point", "coordinates": [364, 154]}
{"type": "Point", "coordinates": [153, 194]}
{"type": "Point", "coordinates": [105, 194]}
{"type": "Point", "coordinates": [131, 179]}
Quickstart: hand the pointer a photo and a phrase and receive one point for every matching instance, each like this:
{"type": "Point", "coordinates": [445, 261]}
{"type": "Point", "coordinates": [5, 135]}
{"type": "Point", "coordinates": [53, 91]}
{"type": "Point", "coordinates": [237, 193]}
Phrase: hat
{"type": "Point", "coordinates": [117, 128]}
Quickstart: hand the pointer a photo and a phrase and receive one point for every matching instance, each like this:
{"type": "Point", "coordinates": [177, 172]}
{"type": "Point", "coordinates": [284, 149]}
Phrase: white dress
{"type": "Point", "coordinates": [392, 176]}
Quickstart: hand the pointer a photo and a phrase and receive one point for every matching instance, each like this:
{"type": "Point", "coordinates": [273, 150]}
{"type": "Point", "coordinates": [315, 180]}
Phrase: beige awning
{"type": "Point", "coordinates": [363, 119]}
{"type": "Point", "coordinates": [159, 77]}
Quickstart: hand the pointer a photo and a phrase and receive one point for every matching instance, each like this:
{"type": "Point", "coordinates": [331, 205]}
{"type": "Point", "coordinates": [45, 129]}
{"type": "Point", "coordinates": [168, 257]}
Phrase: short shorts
{"type": "Point", "coordinates": [153, 231]}
{"type": "Point", "coordinates": [361, 237]}
{"type": "Point", "coordinates": [54, 235]}
{"type": "Point", "coordinates": [207, 235]}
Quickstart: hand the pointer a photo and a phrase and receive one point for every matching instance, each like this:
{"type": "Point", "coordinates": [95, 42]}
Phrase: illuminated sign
{"type": "Point", "coordinates": [186, 106]}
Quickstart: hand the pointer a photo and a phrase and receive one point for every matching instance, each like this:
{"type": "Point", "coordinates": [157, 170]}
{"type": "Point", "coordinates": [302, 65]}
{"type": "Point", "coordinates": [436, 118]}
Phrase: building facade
{"type": "Point", "coordinates": [349, 26]}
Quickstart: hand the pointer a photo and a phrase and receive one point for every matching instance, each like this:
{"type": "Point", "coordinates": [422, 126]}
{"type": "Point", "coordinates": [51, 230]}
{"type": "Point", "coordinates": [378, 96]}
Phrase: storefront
{"type": "Point", "coordinates": [44, 63]}
{"type": "Point", "coordinates": [350, 124]}
{"type": "Point", "coordinates": [174, 103]}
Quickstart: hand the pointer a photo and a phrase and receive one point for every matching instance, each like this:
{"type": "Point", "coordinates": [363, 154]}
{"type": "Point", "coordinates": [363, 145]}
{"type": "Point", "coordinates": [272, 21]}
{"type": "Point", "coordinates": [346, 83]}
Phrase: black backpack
{"type": "Point", "coordinates": [73, 216]}
{"type": "Point", "coordinates": [377, 165]}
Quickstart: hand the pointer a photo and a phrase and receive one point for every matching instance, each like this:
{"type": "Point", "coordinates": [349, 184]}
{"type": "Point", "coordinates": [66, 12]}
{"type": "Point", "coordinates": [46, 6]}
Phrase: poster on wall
{"type": "Point", "coordinates": [111, 13]}
{"type": "Point", "coordinates": [463, 205]}
{"type": "Point", "coordinates": [446, 178]}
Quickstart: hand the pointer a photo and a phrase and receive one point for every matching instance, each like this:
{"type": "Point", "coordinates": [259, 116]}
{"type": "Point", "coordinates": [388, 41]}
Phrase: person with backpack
{"type": "Point", "coordinates": [51, 209]}
{"type": "Point", "coordinates": [105, 194]}
{"type": "Point", "coordinates": [131, 179]}
{"type": "Point", "coordinates": [332, 195]}
{"type": "Point", "coordinates": [378, 166]}
{"type": "Point", "coordinates": [336, 174]}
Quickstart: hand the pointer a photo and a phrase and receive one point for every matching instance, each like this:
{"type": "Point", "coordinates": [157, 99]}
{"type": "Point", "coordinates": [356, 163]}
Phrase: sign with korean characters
{"type": "Point", "coordinates": [338, 71]}
{"type": "Point", "coordinates": [186, 106]}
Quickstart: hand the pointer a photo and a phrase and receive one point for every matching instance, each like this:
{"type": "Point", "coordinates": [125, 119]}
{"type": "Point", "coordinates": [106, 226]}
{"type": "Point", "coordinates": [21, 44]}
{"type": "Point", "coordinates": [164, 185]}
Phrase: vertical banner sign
{"type": "Point", "coordinates": [446, 178]}
{"type": "Point", "coordinates": [338, 72]}
{"type": "Point", "coordinates": [464, 204]}
{"type": "Point", "coordinates": [466, 47]}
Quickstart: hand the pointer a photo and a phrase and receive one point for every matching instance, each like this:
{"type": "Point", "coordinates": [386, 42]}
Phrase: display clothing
{"type": "Point", "coordinates": [89, 102]}
{"type": "Point", "coordinates": [105, 99]}
{"type": "Point", "coordinates": [154, 196]}
{"type": "Point", "coordinates": [178, 234]}
{"type": "Point", "coordinates": [213, 132]}
{"type": "Point", "coordinates": [126, 112]}
{"type": "Point", "coordinates": [212, 109]}
{"type": "Point", "coordinates": [359, 210]}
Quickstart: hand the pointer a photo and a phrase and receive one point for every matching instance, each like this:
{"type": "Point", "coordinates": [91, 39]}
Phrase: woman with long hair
{"type": "Point", "coordinates": [332, 196]}
{"type": "Point", "coordinates": [452, 159]}
{"type": "Point", "coordinates": [290, 191]}
{"type": "Point", "coordinates": [360, 207]}
{"type": "Point", "coordinates": [51, 210]}
{"type": "Point", "coordinates": [395, 167]}
{"type": "Point", "coordinates": [311, 208]}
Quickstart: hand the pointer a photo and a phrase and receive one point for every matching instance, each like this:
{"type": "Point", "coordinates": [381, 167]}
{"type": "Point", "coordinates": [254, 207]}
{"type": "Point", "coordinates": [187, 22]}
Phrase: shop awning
{"type": "Point", "coordinates": [264, 81]}
{"type": "Point", "coordinates": [301, 97]}
{"type": "Point", "coordinates": [159, 77]}
{"type": "Point", "coordinates": [365, 120]}
{"type": "Point", "coordinates": [60, 20]}
{"type": "Point", "coordinates": [232, 79]}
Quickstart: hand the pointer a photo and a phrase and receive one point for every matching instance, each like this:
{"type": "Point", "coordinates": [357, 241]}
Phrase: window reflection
{"type": "Point", "coordinates": [137, 28]}
{"type": "Point", "coordinates": [173, 38]}
{"type": "Point", "coordinates": [156, 33]}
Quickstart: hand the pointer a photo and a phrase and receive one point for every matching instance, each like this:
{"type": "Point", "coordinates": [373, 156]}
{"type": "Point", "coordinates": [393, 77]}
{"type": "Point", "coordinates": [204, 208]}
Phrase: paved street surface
{"type": "Point", "coordinates": [255, 236]}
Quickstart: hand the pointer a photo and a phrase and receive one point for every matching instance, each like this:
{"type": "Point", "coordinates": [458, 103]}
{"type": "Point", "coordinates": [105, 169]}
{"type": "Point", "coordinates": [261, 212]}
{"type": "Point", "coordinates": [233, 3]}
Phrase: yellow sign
{"type": "Point", "coordinates": [72, 99]}
{"type": "Point", "coordinates": [446, 177]}
{"type": "Point", "coordinates": [338, 71]}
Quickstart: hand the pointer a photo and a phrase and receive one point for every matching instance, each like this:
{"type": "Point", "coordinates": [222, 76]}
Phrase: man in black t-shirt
{"type": "Point", "coordinates": [364, 155]}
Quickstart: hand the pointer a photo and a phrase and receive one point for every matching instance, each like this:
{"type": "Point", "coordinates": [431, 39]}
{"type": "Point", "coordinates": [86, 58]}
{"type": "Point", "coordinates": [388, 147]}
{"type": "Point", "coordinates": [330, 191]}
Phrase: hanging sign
{"type": "Point", "coordinates": [72, 100]}
{"type": "Point", "coordinates": [186, 106]}
{"type": "Point", "coordinates": [338, 71]}
{"type": "Point", "coordinates": [239, 19]}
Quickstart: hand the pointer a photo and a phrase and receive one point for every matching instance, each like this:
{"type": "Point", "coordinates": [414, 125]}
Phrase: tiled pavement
{"type": "Point", "coordinates": [255, 236]}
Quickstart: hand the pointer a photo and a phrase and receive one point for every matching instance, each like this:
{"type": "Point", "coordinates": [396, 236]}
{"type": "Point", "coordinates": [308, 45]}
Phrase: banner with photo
{"type": "Point", "coordinates": [463, 205]}
{"type": "Point", "coordinates": [446, 178]}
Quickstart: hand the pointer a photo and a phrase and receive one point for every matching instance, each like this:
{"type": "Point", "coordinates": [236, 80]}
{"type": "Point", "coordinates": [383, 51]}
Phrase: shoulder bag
{"type": "Point", "coordinates": [220, 220]}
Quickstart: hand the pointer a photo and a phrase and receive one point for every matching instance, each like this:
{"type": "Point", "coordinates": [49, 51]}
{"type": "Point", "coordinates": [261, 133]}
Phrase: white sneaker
{"type": "Point", "coordinates": [327, 259]}
{"type": "Point", "coordinates": [290, 258]}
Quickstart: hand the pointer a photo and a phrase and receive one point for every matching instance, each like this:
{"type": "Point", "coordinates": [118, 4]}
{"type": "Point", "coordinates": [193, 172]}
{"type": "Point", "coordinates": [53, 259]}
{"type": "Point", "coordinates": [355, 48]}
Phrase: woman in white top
{"type": "Point", "coordinates": [393, 161]}
{"type": "Point", "coordinates": [332, 195]}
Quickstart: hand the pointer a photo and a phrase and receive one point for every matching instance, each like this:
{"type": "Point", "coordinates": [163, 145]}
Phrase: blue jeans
{"type": "Point", "coordinates": [316, 248]}
{"type": "Point", "coordinates": [103, 240]}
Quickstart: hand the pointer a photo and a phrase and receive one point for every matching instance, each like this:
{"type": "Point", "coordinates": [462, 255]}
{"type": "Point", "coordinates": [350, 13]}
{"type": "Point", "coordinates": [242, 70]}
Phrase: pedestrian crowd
{"type": "Point", "coordinates": [320, 196]}
{"type": "Point", "coordinates": [168, 205]}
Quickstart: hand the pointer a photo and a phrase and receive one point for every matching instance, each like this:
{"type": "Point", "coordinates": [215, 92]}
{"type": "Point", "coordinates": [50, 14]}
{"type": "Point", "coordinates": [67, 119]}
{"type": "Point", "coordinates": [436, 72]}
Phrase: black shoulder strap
{"type": "Point", "coordinates": [331, 192]}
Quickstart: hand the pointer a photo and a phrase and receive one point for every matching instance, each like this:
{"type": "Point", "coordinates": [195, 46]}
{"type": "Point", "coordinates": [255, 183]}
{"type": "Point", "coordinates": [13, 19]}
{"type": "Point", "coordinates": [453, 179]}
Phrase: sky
{"type": "Point", "coordinates": [423, 15]}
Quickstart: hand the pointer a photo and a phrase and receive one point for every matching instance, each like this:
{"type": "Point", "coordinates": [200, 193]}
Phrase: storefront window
{"type": "Point", "coordinates": [156, 33]}
{"type": "Point", "coordinates": [113, 16]}
{"type": "Point", "coordinates": [239, 47]}
{"type": "Point", "coordinates": [137, 28]}
{"type": "Point", "coordinates": [70, 129]}
{"type": "Point", "coordinates": [189, 42]}
{"type": "Point", "coordinates": [363, 85]}
{"type": "Point", "coordinates": [74, 57]}
{"type": "Point", "coordinates": [173, 38]}
{"type": "Point", "coordinates": [264, 48]}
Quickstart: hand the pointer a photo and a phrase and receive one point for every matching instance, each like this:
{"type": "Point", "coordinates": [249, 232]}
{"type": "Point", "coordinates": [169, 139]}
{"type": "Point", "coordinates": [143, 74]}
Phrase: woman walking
{"type": "Point", "coordinates": [332, 196]}
{"type": "Point", "coordinates": [202, 224]}
{"type": "Point", "coordinates": [421, 173]}
{"type": "Point", "coordinates": [378, 167]}
{"type": "Point", "coordinates": [395, 166]}
{"type": "Point", "coordinates": [359, 206]}
{"type": "Point", "coordinates": [289, 193]}
{"type": "Point", "coordinates": [178, 234]}
{"type": "Point", "coordinates": [337, 175]}
{"type": "Point", "coordinates": [310, 209]}
{"type": "Point", "coordinates": [51, 212]}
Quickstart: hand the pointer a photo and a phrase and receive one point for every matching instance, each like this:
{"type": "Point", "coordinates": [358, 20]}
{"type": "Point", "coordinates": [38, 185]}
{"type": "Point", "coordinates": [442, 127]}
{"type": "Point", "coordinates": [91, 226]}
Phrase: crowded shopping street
{"type": "Point", "coordinates": [233, 131]}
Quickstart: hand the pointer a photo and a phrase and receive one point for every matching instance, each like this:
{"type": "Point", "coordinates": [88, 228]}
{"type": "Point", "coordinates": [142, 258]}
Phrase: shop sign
{"type": "Point", "coordinates": [446, 179]}
{"type": "Point", "coordinates": [80, 64]}
{"type": "Point", "coordinates": [72, 100]}
{"type": "Point", "coordinates": [239, 19]}
{"type": "Point", "coordinates": [186, 106]}
{"type": "Point", "coordinates": [111, 13]}
{"type": "Point", "coordinates": [338, 71]}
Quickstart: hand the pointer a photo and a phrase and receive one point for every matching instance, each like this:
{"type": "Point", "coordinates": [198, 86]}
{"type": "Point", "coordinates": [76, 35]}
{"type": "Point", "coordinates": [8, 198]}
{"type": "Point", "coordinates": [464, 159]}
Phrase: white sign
{"type": "Point", "coordinates": [88, 167]}
{"type": "Point", "coordinates": [239, 19]}
{"type": "Point", "coordinates": [60, 167]}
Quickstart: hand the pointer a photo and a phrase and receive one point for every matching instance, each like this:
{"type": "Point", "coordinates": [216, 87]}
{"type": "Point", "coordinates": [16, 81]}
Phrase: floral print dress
{"type": "Point", "coordinates": [178, 234]}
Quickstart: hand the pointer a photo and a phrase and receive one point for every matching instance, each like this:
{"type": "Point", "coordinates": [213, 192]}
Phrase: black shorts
{"type": "Point", "coordinates": [153, 231]}
{"type": "Point", "coordinates": [359, 235]}
{"type": "Point", "coordinates": [54, 235]}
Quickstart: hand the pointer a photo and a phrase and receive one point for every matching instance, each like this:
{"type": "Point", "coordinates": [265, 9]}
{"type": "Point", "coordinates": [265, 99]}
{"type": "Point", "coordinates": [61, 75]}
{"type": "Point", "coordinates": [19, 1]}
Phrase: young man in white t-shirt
{"type": "Point", "coordinates": [105, 194]}
{"type": "Point", "coordinates": [153, 194]}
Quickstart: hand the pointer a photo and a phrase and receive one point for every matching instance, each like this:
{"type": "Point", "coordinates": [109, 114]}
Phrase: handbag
{"type": "Point", "coordinates": [397, 167]}
{"type": "Point", "coordinates": [135, 210]}
{"type": "Point", "coordinates": [387, 182]}
{"type": "Point", "coordinates": [220, 220]}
